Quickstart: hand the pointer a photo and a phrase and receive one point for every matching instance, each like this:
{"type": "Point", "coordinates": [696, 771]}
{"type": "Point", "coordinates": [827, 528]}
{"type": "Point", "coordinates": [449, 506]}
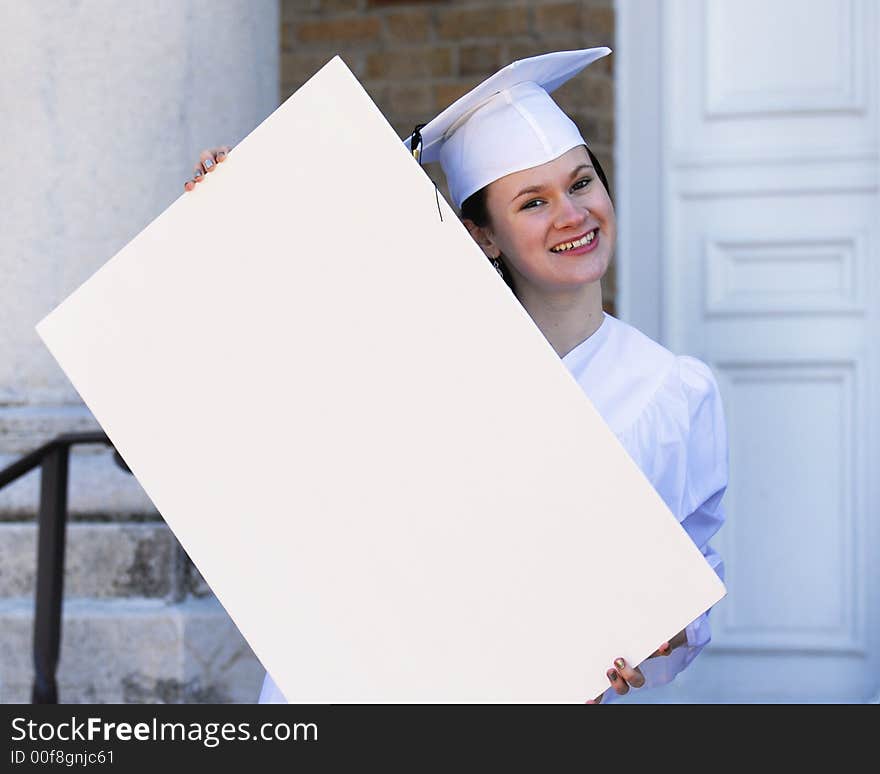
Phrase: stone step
{"type": "Point", "coordinates": [97, 486]}
{"type": "Point", "coordinates": [24, 428]}
{"type": "Point", "coordinates": [101, 560]}
{"type": "Point", "coordinates": [134, 651]}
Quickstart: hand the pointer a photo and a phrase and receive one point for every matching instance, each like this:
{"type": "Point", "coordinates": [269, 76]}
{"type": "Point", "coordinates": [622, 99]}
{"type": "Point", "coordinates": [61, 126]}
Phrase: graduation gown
{"type": "Point", "coordinates": [666, 411]}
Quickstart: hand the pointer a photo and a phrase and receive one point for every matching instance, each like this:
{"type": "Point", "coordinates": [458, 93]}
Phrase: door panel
{"type": "Point", "coordinates": [768, 207]}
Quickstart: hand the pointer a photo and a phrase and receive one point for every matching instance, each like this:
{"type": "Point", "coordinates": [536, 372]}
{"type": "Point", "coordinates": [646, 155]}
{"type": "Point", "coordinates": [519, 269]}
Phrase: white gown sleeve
{"type": "Point", "coordinates": [271, 693]}
{"type": "Point", "coordinates": [700, 511]}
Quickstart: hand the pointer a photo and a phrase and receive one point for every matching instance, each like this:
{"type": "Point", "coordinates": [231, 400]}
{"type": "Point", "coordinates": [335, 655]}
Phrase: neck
{"type": "Point", "coordinates": [566, 319]}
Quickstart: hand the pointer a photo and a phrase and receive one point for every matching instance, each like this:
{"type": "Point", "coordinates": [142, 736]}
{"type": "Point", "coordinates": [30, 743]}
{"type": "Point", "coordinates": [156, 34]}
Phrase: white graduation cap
{"type": "Point", "coordinates": [506, 124]}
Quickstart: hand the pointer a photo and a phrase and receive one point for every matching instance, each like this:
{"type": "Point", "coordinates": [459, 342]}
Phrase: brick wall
{"type": "Point", "coordinates": [415, 57]}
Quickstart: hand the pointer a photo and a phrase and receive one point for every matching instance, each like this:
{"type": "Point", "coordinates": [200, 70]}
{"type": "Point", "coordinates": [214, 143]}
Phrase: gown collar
{"type": "Point", "coordinates": [583, 352]}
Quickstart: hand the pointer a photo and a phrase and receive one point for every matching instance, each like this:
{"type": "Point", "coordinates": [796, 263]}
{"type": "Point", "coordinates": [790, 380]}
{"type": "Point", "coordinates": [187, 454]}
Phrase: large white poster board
{"type": "Point", "coordinates": [371, 453]}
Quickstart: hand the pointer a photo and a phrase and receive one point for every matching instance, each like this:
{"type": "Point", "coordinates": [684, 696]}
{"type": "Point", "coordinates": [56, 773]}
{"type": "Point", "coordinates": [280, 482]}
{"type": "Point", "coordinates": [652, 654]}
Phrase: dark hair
{"type": "Point", "coordinates": [474, 208]}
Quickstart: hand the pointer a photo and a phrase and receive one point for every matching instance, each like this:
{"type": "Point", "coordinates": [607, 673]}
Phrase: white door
{"type": "Point", "coordinates": [748, 199]}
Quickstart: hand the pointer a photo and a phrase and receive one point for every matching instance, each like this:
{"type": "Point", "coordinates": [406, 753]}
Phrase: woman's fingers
{"type": "Point", "coordinates": [617, 682]}
{"type": "Point", "coordinates": [630, 674]}
{"type": "Point", "coordinates": [664, 650]}
{"type": "Point", "coordinates": [198, 176]}
{"type": "Point", "coordinates": [208, 160]}
{"type": "Point", "coordinates": [622, 676]}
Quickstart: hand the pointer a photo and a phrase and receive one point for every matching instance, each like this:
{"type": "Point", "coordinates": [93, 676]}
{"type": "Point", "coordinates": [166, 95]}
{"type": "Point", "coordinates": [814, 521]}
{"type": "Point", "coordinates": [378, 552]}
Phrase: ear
{"type": "Point", "coordinates": [483, 237]}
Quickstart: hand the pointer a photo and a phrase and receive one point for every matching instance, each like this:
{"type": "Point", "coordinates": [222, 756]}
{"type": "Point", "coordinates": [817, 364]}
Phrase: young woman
{"type": "Point", "coordinates": [536, 201]}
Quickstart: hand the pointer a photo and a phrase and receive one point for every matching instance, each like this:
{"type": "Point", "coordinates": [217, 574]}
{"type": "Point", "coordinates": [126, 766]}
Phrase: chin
{"type": "Point", "coordinates": [590, 273]}
{"type": "Point", "coordinates": [566, 278]}
{"type": "Point", "coordinates": [569, 285]}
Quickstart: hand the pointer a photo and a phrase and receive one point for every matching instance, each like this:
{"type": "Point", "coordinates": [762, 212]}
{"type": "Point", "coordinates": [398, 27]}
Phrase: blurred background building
{"type": "Point", "coordinates": [741, 143]}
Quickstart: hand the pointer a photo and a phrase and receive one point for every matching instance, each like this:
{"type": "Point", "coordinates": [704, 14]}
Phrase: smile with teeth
{"type": "Point", "coordinates": [584, 240]}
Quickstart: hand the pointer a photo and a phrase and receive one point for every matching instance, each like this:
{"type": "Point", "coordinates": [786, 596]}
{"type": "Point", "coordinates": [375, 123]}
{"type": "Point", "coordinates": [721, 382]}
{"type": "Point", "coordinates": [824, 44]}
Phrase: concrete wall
{"type": "Point", "coordinates": [104, 106]}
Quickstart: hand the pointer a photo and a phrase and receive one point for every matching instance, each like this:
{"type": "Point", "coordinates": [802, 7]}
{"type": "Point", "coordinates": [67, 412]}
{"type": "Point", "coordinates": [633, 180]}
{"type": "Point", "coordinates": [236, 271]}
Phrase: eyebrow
{"type": "Point", "coordinates": [536, 188]}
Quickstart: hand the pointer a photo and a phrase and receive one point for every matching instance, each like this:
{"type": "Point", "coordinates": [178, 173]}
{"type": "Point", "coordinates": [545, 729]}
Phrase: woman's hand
{"type": "Point", "coordinates": [622, 676]}
{"type": "Point", "coordinates": [208, 161]}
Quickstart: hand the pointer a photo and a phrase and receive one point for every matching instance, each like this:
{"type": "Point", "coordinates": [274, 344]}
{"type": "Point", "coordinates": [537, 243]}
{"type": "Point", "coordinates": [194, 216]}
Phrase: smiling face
{"type": "Point", "coordinates": [553, 224]}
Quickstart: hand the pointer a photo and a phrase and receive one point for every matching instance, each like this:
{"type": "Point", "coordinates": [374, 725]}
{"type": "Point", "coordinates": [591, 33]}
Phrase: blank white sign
{"type": "Point", "coordinates": [371, 453]}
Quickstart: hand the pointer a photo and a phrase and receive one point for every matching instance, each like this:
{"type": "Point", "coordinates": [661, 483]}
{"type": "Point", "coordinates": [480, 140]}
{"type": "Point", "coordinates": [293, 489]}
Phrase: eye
{"type": "Point", "coordinates": [581, 184]}
{"type": "Point", "coordinates": [531, 204]}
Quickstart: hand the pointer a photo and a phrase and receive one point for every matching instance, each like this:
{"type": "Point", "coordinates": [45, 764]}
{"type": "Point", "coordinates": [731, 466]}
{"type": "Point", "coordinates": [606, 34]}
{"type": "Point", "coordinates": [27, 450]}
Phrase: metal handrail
{"type": "Point", "coordinates": [53, 457]}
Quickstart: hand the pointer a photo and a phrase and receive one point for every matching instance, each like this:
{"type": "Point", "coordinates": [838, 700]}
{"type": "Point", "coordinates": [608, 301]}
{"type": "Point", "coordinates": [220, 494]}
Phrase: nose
{"type": "Point", "coordinates": [569, 213]}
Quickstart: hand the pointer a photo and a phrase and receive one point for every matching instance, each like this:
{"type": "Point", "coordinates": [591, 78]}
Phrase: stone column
{"type": "Point", "coordinates": [104, 107]}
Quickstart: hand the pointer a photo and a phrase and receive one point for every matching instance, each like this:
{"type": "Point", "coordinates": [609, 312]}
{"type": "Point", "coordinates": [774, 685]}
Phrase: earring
{"type": "Point", "coordinates": [497, 264]}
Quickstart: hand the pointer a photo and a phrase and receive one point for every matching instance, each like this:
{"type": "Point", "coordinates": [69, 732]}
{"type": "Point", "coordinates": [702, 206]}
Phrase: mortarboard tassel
{"type": "Point", "coordinates": [415, 146]}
